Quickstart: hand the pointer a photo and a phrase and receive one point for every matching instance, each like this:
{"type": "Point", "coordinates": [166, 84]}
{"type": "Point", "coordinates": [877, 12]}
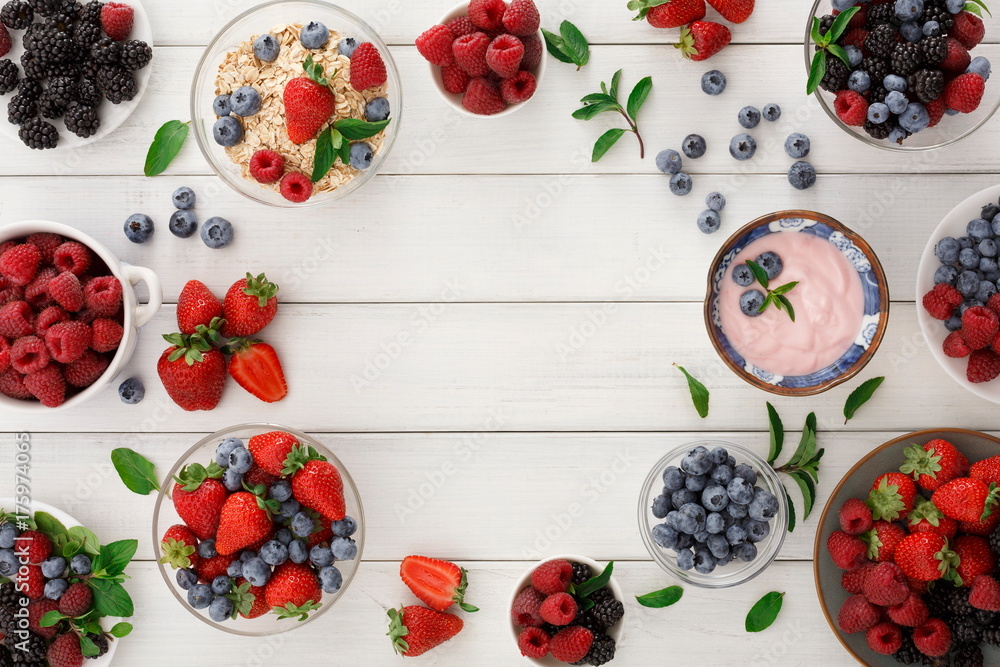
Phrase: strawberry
{"type": "Point", "coordinates": [987, 470]}
{"type": "Point", "coordinates": [249, 306]}
{"type": "Point", "coordinates": [857, 615]}
{"type": "Point", "coordinates": [316, 483]}
{"type": "Point", "coordinates": [983, 527]}
{"type": "Point", "coordinates": [244, 520]}
{"type": "Point", "coordinates": [271, 449]}
{"type": "Point", "coordinates": [255, 367]}
{"type": "Point", "coordinates": [892, 496]}
{"type": "Point", "coordinates": [703, 39]}
{"type": "Point", "coordinates": [208, 569]}
{"type": "Point", "coordinates": [258, 475]}
{"type": "Point", "coordinates": [975, 558]}
{"type": "Point", "coordinates": [191, 370]}
{"type": "Point", "coordinates": [367, 67]}
{"type": "Point", "coordinates": [293, 590]}
{"type": "Point", "coordinates": [734, 11]}
{"type": "Point", "coordinates": [985, 593]}
{"type": "Point", "coordinates": [855, 517]}
{"type": "Point", "coordinates": [933, 638]}
{"type": "Point", "coordinates": [966, 499]}
{"type": "Point", "coordinates": [670, 13]}
{"type": "Point", "coordinates": [258, 606]}
{"type": "Point", "coordinates": [196, 305]}
{"type": "Point", "coordinates": [882, 540]}
{"type": "Point", "coordinates": [926, 557]}
{"type": "Point", "coordinates": [436, 583]}
{"type": "Point", "coordinates": [179, 546]}
{"type": "Point", "coordinates": [414, 630]}
{"type": "Point", "coordinates": [965, 92]}
{"type": "Point", "coordinates": [935, 463]}
{"type": "Point", "coordinates": [198, 500]}
{"type": "Point", "coordinates": [886, 585]}
{"type": "Point", "coordinates": [847, 551]}
{"type": "Point", "coordinates": [927, 518]}
{"type": "Point", "coordinates": [117, 19]}
{"type": "Point", "coordinates": [309, 103]}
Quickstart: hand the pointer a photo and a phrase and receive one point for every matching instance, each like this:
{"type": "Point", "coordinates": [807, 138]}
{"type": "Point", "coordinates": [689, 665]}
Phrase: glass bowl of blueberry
{"type": "Point", "coordinates": [910, 75]}
{"type": "Point", "coordinates": [713, 514]}
{"type": "Point", "coordinates": [259, 529]}
{"type": "Point", "coordinates": [265, 78]}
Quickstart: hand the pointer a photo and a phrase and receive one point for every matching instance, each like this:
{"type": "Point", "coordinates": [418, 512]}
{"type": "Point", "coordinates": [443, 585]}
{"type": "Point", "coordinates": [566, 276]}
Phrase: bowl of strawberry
{"type": "Point", "coordinates": [486, 56]}
{"type": "Point", "coordinates": [260, 529]}
{"type": "Point", "coordinates": [904, 75]}
{"type": "Point", "coordinates": [906, 552]}
{"type": "Point", "coordinates": [69, 315]}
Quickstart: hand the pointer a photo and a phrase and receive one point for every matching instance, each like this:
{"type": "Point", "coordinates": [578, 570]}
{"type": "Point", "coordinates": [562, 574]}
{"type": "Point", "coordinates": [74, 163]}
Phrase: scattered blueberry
{"type": "Point", "coordinates": [186, 578]}
{"type": "Point", "coordinates": [330, 579]}
{"type": "Point", "coordinates": [314, 35]}
{"type": "Point", "coordinates": [221, 106]}
{"type": "Point", "coordinates": [749, 117]}
{"type": "Point", "coordinates": [742, 275]}
{"type": "Point", "coordinates": [362, 155]}
{"type": "Point", "coordinates": [694, 146]}
{"type": "Point", "coordinates": [139, 228]}
{"type": "Point", "coordinates": [797, 145]}
{"type": "Point", "coordinates": [183, 224]}
{"type": "Point", "coordinates": [802, 175]}
{"type": "Point", "coordinates": [751, 301]}
{"type": "Point", "coordinates": [709, 221]}
{"type": "Point", "coordinates": [266, 48]}
{"type": "Point", "coordinates": [377, 110]}
{"type": "Point", "coordinates": [217, 233]}
{"type": "Point", "coordinates": [713, 82]}
{"type": "Point", "coordinates": [742, 147]}
{"type": "Point", "coordinates": [772, 111]}
{"type": "Point", "coordinates": [221, 609]}
{"type": "Point", "coordinates": [346, 46]}
{"type": "Point", "coordinates": [668, 161]}
{"type": "Point", "coordinates": [773, 265]}
{"type": "Point", "coordinates": [131, 391]}
{"type": "Point", "coordinates": [206, 548]}
{"type": "Point", "coordinates": [228, 131]}
{"type": "Point", "coordinates": [715, 201]}
{"type": "Point", "coordinates": [681, 184]}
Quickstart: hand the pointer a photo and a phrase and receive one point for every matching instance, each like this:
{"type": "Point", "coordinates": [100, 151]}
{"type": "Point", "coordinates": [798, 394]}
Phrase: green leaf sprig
{"type": "Point", "coordinates": [592, 585]}
{"type": "Point", "coordinates": [334, 142]}
{"type": "Point", "coordinates": [167, 143]}
{"type": "Point", "coordinates": [569, 46]}
{"type": "Point", "coordinates": [776, 296]}
{"type": "Point", "coordinates": [860, 396]}
{"type": "Point", "coordinates": [802, 467]}
{"type": "Point", "coordinates": [643, 7]}
{"type": "Point", "coordinates": [136, 472]}
{"type": "Point", "coordinates": [607, 100]}
{"type": "Point", "coordinates": [699, 394]}
{"type": "Point", "coordinates": [662, 598]}
{"type": "Point", "coordinates": [976, 7]}
{"type": "Point", "coordinates": [827, 44]}
{"type": "Point", "coordinates": [764, 612]}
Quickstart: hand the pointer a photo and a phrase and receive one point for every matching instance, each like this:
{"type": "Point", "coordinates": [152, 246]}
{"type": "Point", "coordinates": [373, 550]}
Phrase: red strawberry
{"type": "Point", "coordinates": [933, 638]}
{"type": "Point", "coordinates": [208, 569]}
{"type": "Point", "coordinates": [271, 449]}
{"type": "Point", "coordinates": [925, 557]}
{"type": "Point", "coordinates": [982, 527]}
{"type": "Point", "coordinates": [196, 305]}
{"type": "Point", "coordinates": [965, 92]}
{"type": "Point", "coordinates": [671, 13]}
{"type": "Point", "coordinates": [367, 67]}
{"type": "Point", "coordinates": [884, 638]}
{"type": "Point", "coordinates": [966, 499]}
{"type": "Point", "coordinates": [192, 371]}
{"type": "Point", "coordinates": [244, 520]}
{"type": "Point", "coordinates": [985, 593]}
{"type": "Point", "coordinates": [258, 476]}
{"type": "Point", "coordinates": [734, 11]}
{"type": "Point", "coordinates": [308, 106]}
{"type": "Point", "coordinates": [988, 470]}
{"type": "Point", "coordinates": [886, 585]}
{"type": "Point", "coordinates": [316, 483]}
{"type": "Point", "coordinates": [571, 644]}
{"type": "Point", "coordinates": [436, 583]}
{"type": "Point", "coordinates": [294, 589]}
{"type": "Point", "coordinates": [255, 367]}
{"type": "Point", "coordinates": [975, 558]}
{"type": "Point", "coordinates": [179, 546]}
{"type": "Point", "coordinates": [38, 609]}
{"type": "Point", "coordinates": [434, 44]}
{"type": "Point", "coordinates": [955, 347]}
{"type": "Point", "coordinates": [968, 29]}
{"type": "Point", "coordinates": [855, 516]}
{"type": "Point", "coordinates": [934, 464]}
{"type": "Point", "coordinates": [892, 496]}
{"type": "Point", "coordinates": [851, 107]}
{"type": "Point", "coordinates": [198, 501]}
{"type": "Point", "coordinates": [258, 606]}
{"type": "Point", "coordinates": [116, 20]}
{"type": "Point", "coordinates": [957, 59]}
{"type": "Point", "coordinates": [857, 615]}
{"type": "Point", "coordinates": [911, 613]}
{"type": "Point", "coordinates": [847, 551]}
{"type": "Point", "coordinates": [522, 18]}
{"type": "Point", "coordinates": [703, 39]}
{"type": "Point", "coordinates": [249, 306]}
{"type": "Point", "coordinates": [927, 518]}
{"type": "Point", "coordinates": [414, 630]}
{"type": "Point", "coordinates": [882, 540]}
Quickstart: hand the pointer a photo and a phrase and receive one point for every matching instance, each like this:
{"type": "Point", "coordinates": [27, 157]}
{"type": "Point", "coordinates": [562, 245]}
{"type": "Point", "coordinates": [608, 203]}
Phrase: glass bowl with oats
{"type": "Point", "coordinates": [296, 103]}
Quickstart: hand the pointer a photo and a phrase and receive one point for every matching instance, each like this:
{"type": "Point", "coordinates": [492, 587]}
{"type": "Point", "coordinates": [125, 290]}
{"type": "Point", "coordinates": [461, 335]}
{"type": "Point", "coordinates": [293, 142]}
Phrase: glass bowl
{"type": "Point", "coordinates": [259, 20]}
{"type": "Point", "coordinates": [950, 129]}
{"type": "Point", "coordinates": [736, 572]}
{"type": "Point", "coordinates": [164, 516]}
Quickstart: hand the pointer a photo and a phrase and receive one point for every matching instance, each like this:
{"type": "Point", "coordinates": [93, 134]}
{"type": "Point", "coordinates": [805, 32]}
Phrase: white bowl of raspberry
{"type": "Point", "coordinates": [81, 374]}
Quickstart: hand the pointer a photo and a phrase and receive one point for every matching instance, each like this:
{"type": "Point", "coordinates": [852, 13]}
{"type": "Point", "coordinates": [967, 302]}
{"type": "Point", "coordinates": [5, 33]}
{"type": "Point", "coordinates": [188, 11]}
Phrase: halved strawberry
{"type": "Point", "coordinates": [436, 583]}
{"type": "Point", "coordinates": [255, 367]}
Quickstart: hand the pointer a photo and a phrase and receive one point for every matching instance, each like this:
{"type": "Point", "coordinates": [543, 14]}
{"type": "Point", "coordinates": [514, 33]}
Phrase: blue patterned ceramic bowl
{"type": "Point", "coordinates": [874, 285]}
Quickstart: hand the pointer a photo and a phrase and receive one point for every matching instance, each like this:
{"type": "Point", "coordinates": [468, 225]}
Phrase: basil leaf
{"type": "Point", "coordinates": [591, 110]}
{"type": "Point", "coordinates": [88, 541]}
{"type": "Point", "coordinates": [660, 599]}
{"type": "Point", "coordinates": [555, 46]}
{"type": "Point", "coordinates": [595, 583]}
{"type": "Point", "coordinates": [815, 33]}
{"type": "Point", "coordinates": [605, 142]}
{"type": "Point", "coordinates": [777, 433]}
{"type": "Point", "coordinates": [121, 630]}
{"type": "Point", "coordinates": [354, 129]}
{"type": "Point", "coordinates": [615, 80]}
{"type": "Point", "coordinates": [575, 44]}
{"type": "Point", "coordinates": [325, 155]}
{"type": "Point", "coordinates": [974, 7]}
{"type": "Point", "coordinates": [807, 443]}
{"type": "Point", "coordinates": [699, 394]}
{"type": "Point", "coordinates": [839, 51]}
{"type": "Point", "coordinates": [110, 598]}
{"type": "Point", "coordinates": [49, 525]}
{"type": "Point", "coordinates": [808, 489]}
{"type": "Point", "coordinates": [138, 474]}
{"type": "Point", "coordinates": [840, 23]}
{"type": "Point", "coordinates": [791, 509]}
{"type": "Point", "coordinates": [115, 557]}
{"type": "Point", "coordinates": [88, 647]}
{"type": "Point", "coordinates": [51, 618]}
{"type": "Point", "coordinates": [785, 289]}
{"type": "Point", "coordinates": [639, 95]}
{"type": "Point", "coordinates": [166, 145]}
{"type": "Point", "coordinates": [759, 274]}
{"type": "Point", "coordinates": [599, 97]}
{"type": "Point", "coordinates": [860, 396]}
{"type": "Point", "coordinates": [783, 300]}
{"type": "Point", "coordinates": [763, 614]}
{"type": "Point", "coordinates": [816, 72]}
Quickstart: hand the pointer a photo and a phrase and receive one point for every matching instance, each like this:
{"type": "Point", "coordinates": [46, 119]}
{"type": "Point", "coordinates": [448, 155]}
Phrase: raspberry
{"type": "Point", "coordinates": [107, 335]}
{"type": "Point", "coordinates": [86, 370]}
{"type": "Point", "coordinates": [504, 55]}
{"type": "Point", "coordinates": [532, 51]}
{"type": "Point", "coordinates": [72, 256]}
{"type": "Point", "coordinates": [911, 613]}
{"type": "Point", "coordinates": [483, 98]}
{"type": "Point", "coordinates": [558, 609]}
{"type": "Point", "coordinates": [886, 585]}
{"type": "Point", "coordinates": [985, 593]}
{"type": "Point", "coordinates": [519, 88]}
{"type": "Point", "coordinates": [470, 53]}
{"type": "Point", "coordinates": [12, 385]}
{"type": "Point", "coordinates": [847, 551]}
{"type": "Point", "coordinates": [12, 293]}
{"type": "Point", "coordinates": [534, 643]}
{"type": "Point", "coordinates": [20, 263]}
{"type": "Point", "coordinates": [65, 650]}
{"type": "Point", "coordinates": [296, 187]}
{"type": "Point", "coordinates": [571, 644]}
{"type": "Point", "coordinates": [884, 638]}
{"type": "Point", "coordinates": [968, 29]}
{"type": "Point", "coordinates": [933, 638]}
{"type": "Point", "coordinates": [984, 366]}
{"type": "Point", "coordinates": [29, 354]}
{"type": "Point", "coordinates": [853, 581]}
{"type": "Point", "coordinates": [936, 110]}
{"type": "Point", "coordinates": [266, 166]}
{"type": "Point", "coordinates": [367, 67]}
{"type": "Point", "coordinates": [67, 291]}
{"type": "Point", "coordinates": [963, 94]}
{"type": "Point", "coordinates": [855, 37]}
{"type": "Point", "coordinates": [5, 42]}
{"type": "Point", "coordinates": [4, 354]}
{"type": "Point", "coordinates": [851, 108]}
{"type": "Point", "coordinates": [487, 15]}
{"type": "Point", "coordinates": [46, 244]}
{"type": "Point", "coordinates": [552, 577]}
{"type": "Point", "coordinates": [955, 346]}
{"type": "Point", "coordinates": [994, 303]}
{"type": "Point", "coordinates": [47, 385]}
{"type": "Point", "coordinates": [461, 25]}
{"type": "Point", "coordinates": [116, 20]}
{"type": "Point", "coordinates": [522, 18]}
{"type": "Point", "coordinates": [979, 326]}
{"type": "Point", "coordinates": [434, 45]}
{"type": "Point", "coordinates": [957, 58]}
{"type": "Point", "coordinates": [103, 295]}
{"type": "Point", "coordinates": [526, 610]}
{"type": "Point", "coordinates": [454, 79]}
{"type": "Point", "coordinates": [38, 609]}
{"type": "Point", "coordinates": [17, 319]}
{"type": "Point", "coordinates": [38, 289]}
{"type": "Point", "coordinates": [855, 516]}
{"type": "Point", "coordinates": [67, 341]}
{"type": "Point", "coordinates": [76, 600]}
{"type": "Point", "coordinates": [942, 301]}
{"type": "Point", "coordinates": [48, 317]}
{"type": "Point", "coordinates": [857, 615]}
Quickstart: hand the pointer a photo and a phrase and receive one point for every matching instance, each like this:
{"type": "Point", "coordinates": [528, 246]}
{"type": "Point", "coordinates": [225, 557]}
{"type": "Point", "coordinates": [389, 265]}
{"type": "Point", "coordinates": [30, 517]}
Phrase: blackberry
{"type": "Point", "coordinates": [64, 90]}
{"type": "Point", "coordinates": [907, 653]}
{"type": "Point", "coordinates": [17, 14]}
{"type": "Point", "coordinates": [994, 540]}
{"type": "Point", "coordinates": [49, 45]}
{"type": "Point", "coordinates": [68, 69]}
{"type": "Point", "coordinates": [936, 10]}
{"type": "Point", "coordinates": [602, 594]}
{"type": "Point", "coordinates": [881, 41]}
{"type": "Point", "coordinates": [967, 630]}
{"type": "Point", "coordinates": [927, 84]}
{"type": "Point", "coordinates": [82, 120]}
{"type": "Point", "coordinates": [62, 23]}
{"type": "Point", "coordinates": [877, 69]}
{"type": "Point", "coordinates": [836, 75]}
{"type": "Point", "coordinates": [877, 95]}
{"type": "Point", "coordinates": [116, 84]}
{"type": "Point", "coordinates": [29, 89]}
{"type": "Point", "coordinates": [49, 106]}
{"type": "Point", "coordinates": [107, 51]}
{"type": "Point", "coordinates": [8, 595]}
{"type": "Point", "coordinates": [968, 655]}
{"type": "Point", "coordinates": [5, 658]}
{"type": "Point", "coordinates": [45, 7]}
{"type": "Point", "coordinates": [907, 59]}
{"type": "Point", "coordinates": [881, 15]}
{"type": "Point", "coordinates": [586, 619]}
{"type": "Point", "coordinates": [825, 23]}
{"type": "Point", "coordinates": [102, 644]}
{"type": "Point", "coordinates": [88, 94]}
{"type": "Point", "coordinates": [20, 109]}
{"type": "Point", "coordinates": [581, 573]}
{"type": "Point", "coordinates": [8, 624]}
{"type": "Point", "coordinates": [935, 50]}
{"type": "Point", "coordinates": [878, 131]}
{"type": "Point", "coordinates": [992, 636]}
{"type": "Point", "coordinates": [70, 8]}
{"type": "Point", "coordinates": [939, 600]}
{"type": "Point", "coordinates": [608, 612]}
{"type": "Point", "coordinates": [31, 651]}
{"type": "Point", "coordinates": [135, 54]}
{"type": "Point", "coordinates": [601, 652]}
{"type": "Point", "coordinates": [39, 135]}
{"type": "Point", "coordinates": [32, 67]}
{"type": "Point", "coordinates": [86, 35]}
{"type": "Point", "coordinates": [8, 76]}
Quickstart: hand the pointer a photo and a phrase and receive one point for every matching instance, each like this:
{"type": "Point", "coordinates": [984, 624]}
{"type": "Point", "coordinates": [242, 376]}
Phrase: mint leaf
{"type": "Point", "coordinates": [764, 612]}
{"type": "Point", "coordinates": [121, 630]}
{"type": "Point", "coordinates": [615, 80]}
{"type": "Point", "coordinates": [840, 24]}
{"type": "Point", "coordinates": [326, 155]}
{"type": "Point", "coordinates": [699, 394]}
{"type": "Point", "coordinates": [605, 142]}
{"type": "Point", "coordinates": [575, 44]}
{"type": "Point", "coordinates": [759, 274]}
{"type": "Point", "coordinates": [660, 599]}
{"type": "Point", "coordinates": [167, 143]}
{"type": "Point", "coordinates": [556, 46]}
{"type": "Point", "coordinates": [638, 96]}
{"type": "Point", "coordinates": [51, 618]}
{"type": "Point", "coordinates": [591, 110]}
{"type": "Point", "coordinates": [777, 433]}
{"type": "Point", "coordinates": [816, 72]}
{"type": "Point", "coordinates": [48, 524]}
{"type": "Point", "coordinates": [860, 396]}
{"type": "Point", "coordinates": [115, 557]}
{"type": "Point", "coordinates": [88, 541]}
{"type": "Point", "coordinates": [87, 646]}
{"type": "Point", "coordinates": [839, 51]}
{"type": "Point", "coordinates": [110, 598]}
{"type": "Point", "coordinates": [585, 589]}
{"type": "Point", "coordinates": [354, 129]}
{"type": "Point", "coordinates": [138, 474]}
{"type": "Point", "coordinates": [786, 304]}
{"type": "Point", "coordinates": [791, 509]}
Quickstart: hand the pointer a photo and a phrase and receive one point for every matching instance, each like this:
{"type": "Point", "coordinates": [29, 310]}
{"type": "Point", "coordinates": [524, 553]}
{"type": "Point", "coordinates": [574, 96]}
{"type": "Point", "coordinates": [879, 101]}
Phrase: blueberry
{"type": "Point", "coordinates": [967, 283]}
{"type": "Point", "coordinates": [722, 474]}
{"type": "Point", "coordinates": [345, 527]}
{"type": "Point", "coordinates": [220, 609]}
{"type": "Point", "coordinates": [53, 567]}
{"type": "Point", "coordinates": [715, 201]}
{"type": "Point", "coordinates": [274, 552]}
{"type": "Point", "coordinates": [797, 145]}
{"type": "Point", "coordinates": [696, 461]}
{"type": "Point", "coordinates": [685, 560]}
{"type": "Point", "coordinates": [978, 230]}
{"type": "Point", "coordinates": [346, 46]}
{"type": "Point", "coordinates": [802, 176]}
{"type": "Point", "coordinates": [841, 5]}
{"type": "Point", "coordinates": [682, 497]}
{"type": "Point", "coordinates": [987, 265]}
{"type": "Point", "coordinates": [377, 110]}
{"type": "Point", "coordinates": [186, 578]}
{"type": "Point", "coordinates": [909, 9]}
{"type": "Point", "coordinates": [715, 523]}
{"type": "Point", "coordinates": [361, 155]}
{"type": "Point", "coordinates": [954, 6]}
{"type": "Point", "coordinates": [669, 161]}
{"type": "Point", "coordinates": [232, 480]}
{"type": "Point", "coordinates": [281, 490]}
{"type": "Point", "coordinates": [931, 29]}
{"type": "Point", "coordinates": [719, 456]}
{"type": "Point", "coordinates": [725, 560]}
{"type": "Point", "coordinates": [945, 274]}
{"type": "Point", "coordinates": [894, 82]}
{"type": "Point", "coordinates": [735, 510]}
{"type": "Point", "coordinates": [8, 563]}
{"type": "Point", "coordinates": [740, 491]}
{"type": "Point", "coordinates": [684, 541]}
{"type": "Point", "coordinates": [302, 525]}
{"type": "Point", "coordinates": [749, 117]}
{"type": "Point", "coordinates": [700, 535]}
{"type": "Point", "coordinates": [742, 147]}
{"type": "Point", "coordinates": [897, 102]}
{"type": "Point", "coordinates": [747, 472]}
{"type": "Point", "coordinates": [139, 228]}
{"type": "Point", "coordinates": [221, 106]}
{"type": "Point", "coordinates": [240, 460]}
{"type": "Point", "coordinates": [673, 478]}
{"type": "Point", "coordinates": [200, 596]}
{"type": "Point", "coordinates": [228, 131]}
{"type": "Point", "coordinates": [289, 508]}
{"type": "Point", "coordinates": [756, 530]}
{"type": "Point", "coordinates": [694, 146]}
{"type": "Point", "coordinates": [298, 552]}
{"type": "Point", "coordinates": [245, 101]}
{"type": "Point", "coordinates": [256, 571]}
{"type": "Point", "coordinates": [681, 184]}
{"type": "Point", "coordinates": [718, 545]}
{"type": "Point", "coordinates": [988, 248]}
{"type": "Point", "coordinates": [985, 291]}
{"type": "Point", "coordinates": [859, 81]}
{"type": "Point", "coordinates": [314, 35]}
{"type": "Point", "coordinates": [714, 498]}
{"type": "Point", "coordinates": [221, 585]}
{"type": "Point", "coordinates": [247, 554]}
{"type": "Point", "coordinates": [320, 556]}
{"type": "Point", "coordinates": [713, 82]}
{"type": "Point", "coordinates": [673, 520]}
{"type": "Point", "coordinates": [745, 552]}
{"type": "Point", "coordinates": [80, 564]}
{"type": "Point", "coordinates": [284, 536]}
{"type": "Point", "coordinates": [911, 31]}
{"type": "Point", "coordinates": [742, 275]}
{"type": "Point", "coordinates": [878, 113]}
{"type": "Point", "coordinates": [183, 224]}
{"type": "Point", "coordinates": [330, 579]}
{"type": "Point", "coordinates": [664, 535]}
{"type": "Point", "coordinates": [980, 66]}
{"type": "Point", "coordinates": [772, 111]}
{"type": "Point", "coordinates": [736, 534]}
{"type": "Point", "coordinates": [704, 561]}
{"type": "Point", "coordinates": [709, 221]}
{"type": "Point", "coordinates": [8, 535]}
{"type": "Point", "coordinates": [964, 242]}
{"type": "Point", "coordinates": [990, 212]}
{"type": "Point", "coordinates": [751, 301]}
{"type": "Point", "coordinates": [661, 506]}
{"type": "Point", "coordinates": [206, 548]}
{"type": "Point", "coordinates": [953, 323]}
{"type": "Point", "coordinates": [969, 258]}
{"type": "Point", "coordinates": [266, 48]}
{"type": "Point", "coordinates": [695, 483]}
{"type": "Point", "coordinates": [344, 548]}
{"type": "Point", "coordinates": [235, 569]}
{"type": "Point", "coordinates": [217, 233]}
{"type": "Point", "coordinates": [224, 449]}
{"type": "Point", "coordinates": [854, 55]}
{"type": "Point", "coordinates": [914, 118]}
{"type": "Point", "coordinates": [764, 505]}
{"type": "Point", "coordinates": [970, 303]}
{"type": "Point", "coordinates": [947, 250]}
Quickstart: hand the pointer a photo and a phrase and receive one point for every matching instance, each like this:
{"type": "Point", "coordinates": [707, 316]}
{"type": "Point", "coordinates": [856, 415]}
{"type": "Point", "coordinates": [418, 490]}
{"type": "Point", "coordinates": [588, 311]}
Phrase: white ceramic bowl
{"type": "Point", "coordinates": [934, 332]}
{"type": "Point", "coordinates": [455, 101]}
{"type": "Point", "coordinates": [112, 115]}
{"type": "Point", "coordinates": [8, 504]}
{"type": "Point", "coordinates": [525, 580]}
{"type": "Point", "coordinates": [135, 314]}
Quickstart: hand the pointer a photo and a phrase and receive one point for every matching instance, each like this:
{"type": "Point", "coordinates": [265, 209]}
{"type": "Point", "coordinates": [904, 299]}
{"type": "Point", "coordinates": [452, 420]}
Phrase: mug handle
{"type": "Point", "coordinates": [144, 312]}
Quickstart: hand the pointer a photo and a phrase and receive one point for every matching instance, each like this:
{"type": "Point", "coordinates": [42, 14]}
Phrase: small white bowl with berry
{"type": "Point", "coordinates": [487, 59]}
{"type": "Point", "coordinates": [567, 610]}
{"type": "Point", "coordinates": [70, 317]}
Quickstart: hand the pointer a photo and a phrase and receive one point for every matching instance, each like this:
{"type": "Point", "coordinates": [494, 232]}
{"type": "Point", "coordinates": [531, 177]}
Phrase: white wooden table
{"type": "Point", "coordinates": [493, 245]}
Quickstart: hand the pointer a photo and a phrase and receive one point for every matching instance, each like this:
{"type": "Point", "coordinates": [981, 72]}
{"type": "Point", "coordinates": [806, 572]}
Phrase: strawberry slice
{"type": "Point", "coordinates": [437, 583]}
{"type": "Point", "coordinates": [255, 367]}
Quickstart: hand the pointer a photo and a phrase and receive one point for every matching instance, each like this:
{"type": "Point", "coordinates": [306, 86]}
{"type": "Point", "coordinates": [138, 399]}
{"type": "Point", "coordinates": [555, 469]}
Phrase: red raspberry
{"type": "Point", "coordinates": [958, 57]}
{"type": "Point", "coordinates": [267, 166]}
{"type": "Point", "coordinates": [487, 14]}
{"type": "Point", "coordinates": [963, 93]}
{"type": "Point", "coordinates": [955, 346]}
{"type": "Point", "coordinates": [855, 37]}
{"type": "Point", "coordinates": [847, 551]}
{"type": "Point", "coordinates": [47, 385]}
{"type": "Point", "coordinates": [20, 263]}
{"type": "Point", "coordinates": [855, 516]}
{"type": "Point", "coordinates": [534, 643]}
{"type": "Point", "coordinates": [936, 109]}
{"type": "Point", "coordinates": [38, 289]}
{"type": "Point", "coordinates": [116, 20]}
{"type": "Point", "coordinates": [67, 341]}
{"type": "Point", "coordinates": [12, 293]}
{"type": "Point", "coordinates": [857, 615]}
{"type": "Point", "coordinates": [552, 577]}
{"type": "Point", "coordinates": [984, 366]}
{"type": "Point", "coordinates": [851, 108]}
{"type": "Point", "coordinates": [933, 638]}
{"type": "Point", "coordinates": [522, 18]}
{"type": "Point", "coordinates": [968, 29]}
{"type": "Point", "coordinates": [558, 609]}
{"type": "Point", "coordinates": [65, 650]}
{"type": "Point", "coordinates": [434, 45]}
{"type": "Point", "coordinates": [519, 88]}
{"type": "Point", "coordinates": [296, 187]}
{"type": "Point", "coordinates": [367, 67]}
{"type": "Point", "coordinates": [470, 53]}
{"type": "Point", "coordinates": [461, 25]}
{"type": "Point", "coordinates": [942, 301]}
{"type": "Point", "coordinates": [29, 354]}
{"type": "Point", "coordinates": [859, 19]}
{"type": "Point", "coordinates": [532, 52]}
{"type": "Point", "coordinates": [454, 79]}
{"type": "Point", "coordinates": [853, 581]}
{"type": "Point", "coordinates": [38, 546]}
{"type": "Point", "coordinates": [85, 315]}
{"type": "Point", "coordinates": [911, 613]}
{"type": "Point", "coordinates": [73, 256]}
{"type": "Point", "coordinates": [994, 303]}
{"type": "Point", "coordinates": [571, 644]}
{"type": "Point", "coordinates": [483, 97]}
{"type": "Point", "coordinates": [32, 582]}
{"type": "Point", "coordinates": [46, 244]}
{"type": "Point", "coordinates": [17, 319]}
{"type": "Point", "coordinates": [86, 370]}
{"type": "Point", "coordinates": [107, 335]}
{"type": "Point", "coordinates": [76, 600]}
{"type": "Point", "coordinates": [5, 42]}
{"type": "Point", "coordinates": [886, 585]}
{"type": "Point", "coordinates": [4, 354]}
{"type": "Point", "coordinates": [103, 295]}
{"type": "Point", "coordinates": [526, 610]}
{"type": "Point", "coordinates": [12, 385]}
{"type": "Point", "coordinates": [38, 609]}
{"type": "Point", "coordinates": [985, 593]}
{"type": "Point", "coordinates": [504, 55]}
{"type": "Point", "coordinates": [884, 638]}
{"type": "Point", "coordinates": [979, 326]}
{"type": "Point", "coordinates": [67, 291]}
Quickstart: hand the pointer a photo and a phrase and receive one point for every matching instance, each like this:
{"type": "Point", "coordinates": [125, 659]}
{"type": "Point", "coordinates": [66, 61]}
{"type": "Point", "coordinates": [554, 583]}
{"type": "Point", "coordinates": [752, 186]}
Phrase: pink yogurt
{"type": "Point", "coordinates": [828, 301]}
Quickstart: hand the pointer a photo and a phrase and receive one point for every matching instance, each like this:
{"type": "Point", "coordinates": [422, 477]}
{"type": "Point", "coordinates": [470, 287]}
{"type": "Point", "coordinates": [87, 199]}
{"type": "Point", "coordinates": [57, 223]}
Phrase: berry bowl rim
{"type": "Point", "coordinates": [933, 330]}
{"type": "Point", "coordinates": [235, 627]}
{"type": "Point", "coordinates": [455, 101]}
{"type": "Point", "coordinates": [135, 314]}
{"type": "Point", "coordinates": [246, 187]}
{"type": "Point", "coordinates": [826, 104]}
{"type": "Point", "coordinates": [69, 522]}
{"type": "Point", "coordinates": [524, 580]}
{"type": "Point", "coordinates": [833, 506]}
{"type": "Point", "coordinates": [772, 543]}
{"type": "Point", "coordinates": [877, 272]}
